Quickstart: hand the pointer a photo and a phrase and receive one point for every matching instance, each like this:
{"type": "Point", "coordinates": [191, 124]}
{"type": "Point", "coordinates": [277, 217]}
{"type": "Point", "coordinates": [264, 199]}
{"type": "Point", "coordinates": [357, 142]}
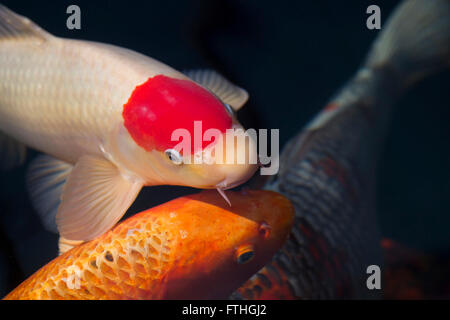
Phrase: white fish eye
{"type": "Point", "coordinates": [229, 109]}
{"type": "Point", "coordinates": [174, 156]}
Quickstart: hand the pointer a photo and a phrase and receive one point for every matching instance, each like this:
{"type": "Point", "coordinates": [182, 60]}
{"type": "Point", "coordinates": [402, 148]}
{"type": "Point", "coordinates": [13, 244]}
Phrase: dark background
{"type": "Point", "coordinates": [291, 56]}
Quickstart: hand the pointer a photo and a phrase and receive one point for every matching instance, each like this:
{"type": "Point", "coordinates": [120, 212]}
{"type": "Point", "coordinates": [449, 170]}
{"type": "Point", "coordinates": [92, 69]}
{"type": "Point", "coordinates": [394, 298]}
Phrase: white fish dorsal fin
{"type": "Point", "coordinates": [45, 180]}
{"type": "Point", "coordinates": [229, 93]}
{"type": "Point", "coordinates": [12, 152]}
{"type": "Point", "coordinates": [13, 25]}
{"type": "Point", "coordinates": [94, 199]}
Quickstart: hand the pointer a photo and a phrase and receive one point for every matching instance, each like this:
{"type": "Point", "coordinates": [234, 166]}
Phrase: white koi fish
{"type": "Point", "coordinates": [104, 117]}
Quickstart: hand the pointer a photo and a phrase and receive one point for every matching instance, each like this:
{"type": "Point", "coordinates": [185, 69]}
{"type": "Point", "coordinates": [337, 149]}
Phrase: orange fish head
{"type": "Point", "coordinates": [216, 247]}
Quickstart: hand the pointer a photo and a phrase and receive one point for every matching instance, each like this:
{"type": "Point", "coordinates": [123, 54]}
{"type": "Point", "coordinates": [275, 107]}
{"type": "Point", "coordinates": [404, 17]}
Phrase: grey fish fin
{"type": "Point", "coordinates": [94, 198]}
{"type": "Point", "coordinates": [229, 93]}
{"type": "Point", "coordinates": [414, 42]}
{"type": "Point", "coordinates": [13, 25]}
{"type": "Point", "coordinates": [12, 152]}
{"type": "Point", "coordinates": [45, 180]}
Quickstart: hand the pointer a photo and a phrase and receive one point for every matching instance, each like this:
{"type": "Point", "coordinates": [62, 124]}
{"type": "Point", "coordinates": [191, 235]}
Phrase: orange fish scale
{"type": "Point", "coordinates": [127, 267]}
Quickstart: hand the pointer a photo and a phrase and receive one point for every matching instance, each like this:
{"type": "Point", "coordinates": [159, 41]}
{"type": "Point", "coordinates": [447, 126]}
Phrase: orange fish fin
{"type": "Point", "coordinates": [225, 90]}
{"type": "Point", "coordinates": [12, 152]}
{"type": "Point", "coordinates": [45, 181]}
{"type": "Point", "coordinates": [94, 199]}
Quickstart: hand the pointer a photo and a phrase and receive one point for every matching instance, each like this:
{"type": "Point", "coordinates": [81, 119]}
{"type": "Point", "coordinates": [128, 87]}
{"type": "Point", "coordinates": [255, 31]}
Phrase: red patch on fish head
{"type": "Point", "coordinates": [162, 104]}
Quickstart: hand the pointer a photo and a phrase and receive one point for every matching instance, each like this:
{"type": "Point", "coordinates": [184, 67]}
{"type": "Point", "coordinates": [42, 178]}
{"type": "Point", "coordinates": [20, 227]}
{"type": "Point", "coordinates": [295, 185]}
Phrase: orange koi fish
{"type": "Point", "coordinates": [193, 247]}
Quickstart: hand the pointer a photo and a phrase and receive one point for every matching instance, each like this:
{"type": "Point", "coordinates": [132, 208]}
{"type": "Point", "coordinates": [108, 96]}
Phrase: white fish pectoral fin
{"type": "Point", "coordinates": [12, 152]}
{"type": "Point", "coordinates": [13, 25]}
{"type": "Point", "coordinates": [45, 180]}
{"type": "Point", "coordinates": [65, 245]}
{"type": "Point", "coordinates": [94, 199]}
{"type": "Point", "coordinates": [227, 92]}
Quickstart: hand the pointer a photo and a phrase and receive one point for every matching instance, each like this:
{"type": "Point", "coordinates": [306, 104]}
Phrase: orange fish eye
{"type": "Point", "coordinates": [244, 253]}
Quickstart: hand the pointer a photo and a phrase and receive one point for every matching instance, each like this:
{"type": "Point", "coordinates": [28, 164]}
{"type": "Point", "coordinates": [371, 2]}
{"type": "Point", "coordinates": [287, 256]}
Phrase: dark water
{"type": "Point", "coordinates": [290, 56]}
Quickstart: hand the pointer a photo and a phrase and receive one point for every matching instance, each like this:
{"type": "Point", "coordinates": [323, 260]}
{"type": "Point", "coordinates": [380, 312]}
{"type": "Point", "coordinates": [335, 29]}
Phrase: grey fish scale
{"type": "Point", "coordinates": [354, 225]}
{"type": "Point", "coordinates": [322, 209]}
{"type": "Point", "coordinates": [351, 215]}
{"type": "Point", "coordinates": [337, 207]}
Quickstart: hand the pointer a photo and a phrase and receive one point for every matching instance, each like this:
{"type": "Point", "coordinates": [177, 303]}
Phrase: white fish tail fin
{"type": "Point", "coordinates": [13, 25]}
{"type": "Point", "coordinates": [414, 42]}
